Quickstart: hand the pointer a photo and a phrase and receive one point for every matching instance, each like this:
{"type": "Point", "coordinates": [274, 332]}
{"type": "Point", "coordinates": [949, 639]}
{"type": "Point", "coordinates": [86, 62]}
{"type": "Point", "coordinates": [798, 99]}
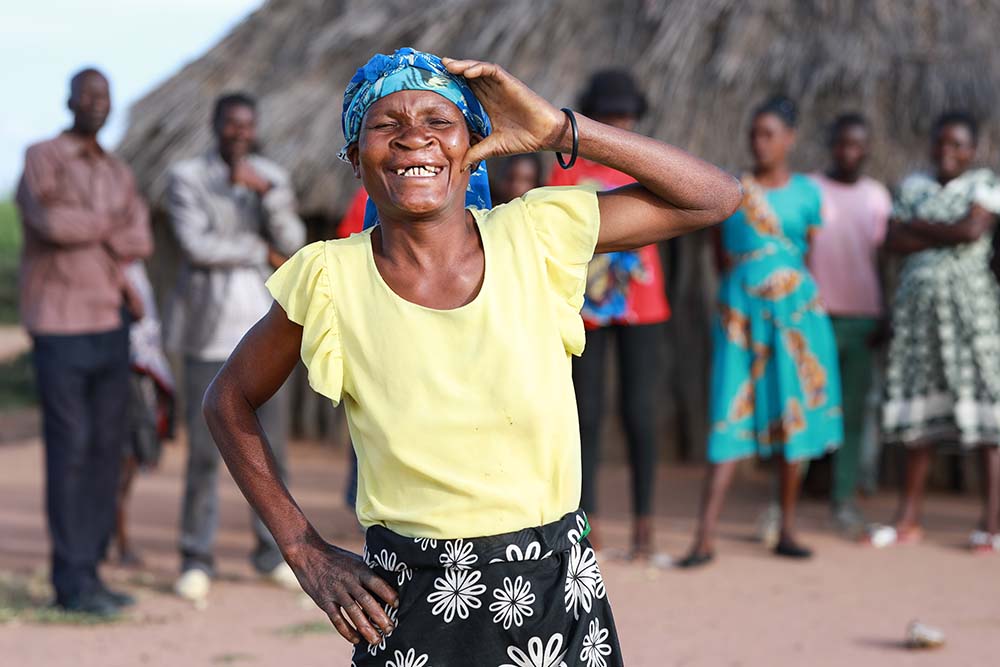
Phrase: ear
{"type": "Point", "coordinates": [355, 157]}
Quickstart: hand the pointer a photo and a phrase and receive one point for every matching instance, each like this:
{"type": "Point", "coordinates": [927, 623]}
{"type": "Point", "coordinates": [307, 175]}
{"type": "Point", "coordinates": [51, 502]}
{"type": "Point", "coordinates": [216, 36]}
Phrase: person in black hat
{"type": "Point", "coordinates": [625, 306]}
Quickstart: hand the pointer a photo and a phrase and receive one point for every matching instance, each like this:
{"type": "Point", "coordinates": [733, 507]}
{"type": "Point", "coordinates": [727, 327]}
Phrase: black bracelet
{"type": "Point", "coordinates": [576, 141]}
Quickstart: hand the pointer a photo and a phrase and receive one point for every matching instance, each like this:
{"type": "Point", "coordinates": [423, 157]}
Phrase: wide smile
{"type": "Point", "coordinates": [418, 171]}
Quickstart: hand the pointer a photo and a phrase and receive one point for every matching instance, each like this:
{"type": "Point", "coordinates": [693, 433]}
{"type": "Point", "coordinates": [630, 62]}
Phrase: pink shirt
{"type": "Point", "coordinates": [844, 257]}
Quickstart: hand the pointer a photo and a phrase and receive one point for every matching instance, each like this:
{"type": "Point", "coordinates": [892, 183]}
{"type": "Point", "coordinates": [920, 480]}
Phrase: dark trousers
{"type": "Point", "coordinates": [83, 388]}
{"type": "Point", "coordinates": [639, 349]}
{"type": "Point", "coordinates": [200, 510]}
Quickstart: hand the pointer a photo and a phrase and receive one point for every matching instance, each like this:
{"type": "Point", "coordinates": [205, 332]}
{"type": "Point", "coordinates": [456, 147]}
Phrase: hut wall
{"type": "Point", "coordinates": [703, 63]}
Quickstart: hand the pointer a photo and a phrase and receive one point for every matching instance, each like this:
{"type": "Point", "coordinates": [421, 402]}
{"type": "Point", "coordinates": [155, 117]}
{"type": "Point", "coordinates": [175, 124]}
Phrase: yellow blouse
{"type": "Point", "coordinates": [464, 421]}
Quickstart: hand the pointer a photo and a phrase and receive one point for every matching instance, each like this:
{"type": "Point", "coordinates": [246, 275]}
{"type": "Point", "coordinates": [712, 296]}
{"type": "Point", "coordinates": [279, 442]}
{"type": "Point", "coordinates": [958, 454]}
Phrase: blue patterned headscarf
{"type": "Point", "coordinates": [407, 69]}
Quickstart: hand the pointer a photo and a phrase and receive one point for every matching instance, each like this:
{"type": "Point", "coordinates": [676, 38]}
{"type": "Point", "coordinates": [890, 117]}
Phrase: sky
{"type": "Point", "coordinates": [137, 43]}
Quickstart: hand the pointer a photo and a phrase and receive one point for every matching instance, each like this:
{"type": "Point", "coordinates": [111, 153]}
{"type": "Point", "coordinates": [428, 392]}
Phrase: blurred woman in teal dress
{"type": "Point", "coordinates": [775, 385]}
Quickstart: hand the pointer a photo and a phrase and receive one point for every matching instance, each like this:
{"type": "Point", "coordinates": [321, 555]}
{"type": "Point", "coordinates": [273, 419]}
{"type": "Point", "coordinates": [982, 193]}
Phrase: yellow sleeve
{"type": "Point", "coordinates": [301, 286]}
{"type": "Point", "coordinates": [566, 221]}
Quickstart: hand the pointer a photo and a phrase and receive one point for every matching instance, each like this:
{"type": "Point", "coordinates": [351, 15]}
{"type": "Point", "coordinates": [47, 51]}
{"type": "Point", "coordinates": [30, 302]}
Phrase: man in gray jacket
{"type": "Point", "coordinates": [233, 213]}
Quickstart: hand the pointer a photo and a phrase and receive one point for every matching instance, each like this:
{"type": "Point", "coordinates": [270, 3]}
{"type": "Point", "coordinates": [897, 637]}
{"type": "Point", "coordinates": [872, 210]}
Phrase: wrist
{"type": "Point", "coordinates": [297, 550]}
{"type": "Point", "coordinates": [560, 139]}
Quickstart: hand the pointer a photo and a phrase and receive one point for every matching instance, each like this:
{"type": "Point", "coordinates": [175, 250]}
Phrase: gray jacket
{"type": "Point", "coordinates": [224, 232]}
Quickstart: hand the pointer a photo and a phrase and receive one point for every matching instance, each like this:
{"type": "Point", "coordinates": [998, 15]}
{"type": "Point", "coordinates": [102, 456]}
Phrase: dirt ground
{"type": "Point", "coordinates": [848, 606]}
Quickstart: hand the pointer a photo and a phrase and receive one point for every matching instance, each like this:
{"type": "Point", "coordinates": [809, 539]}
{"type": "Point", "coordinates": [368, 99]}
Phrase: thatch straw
{"type": "Point", "coordinates": [704, 63]}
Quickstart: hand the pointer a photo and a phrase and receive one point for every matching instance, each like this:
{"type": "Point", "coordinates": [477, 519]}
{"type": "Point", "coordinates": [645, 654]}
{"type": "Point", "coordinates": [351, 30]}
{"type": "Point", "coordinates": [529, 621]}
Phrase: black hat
{"type": "Point", "coordinates": [612, 92]}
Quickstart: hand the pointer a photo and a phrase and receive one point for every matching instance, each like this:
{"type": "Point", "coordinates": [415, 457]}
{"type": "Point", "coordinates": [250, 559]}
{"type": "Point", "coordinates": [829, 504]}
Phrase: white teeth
{"type": "Point", "coordinates": [419, 170]}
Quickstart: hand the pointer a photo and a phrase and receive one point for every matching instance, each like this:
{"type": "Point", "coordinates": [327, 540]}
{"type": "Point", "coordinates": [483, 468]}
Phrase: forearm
{"type": "Point", "coordinates": [134, 239]}
{"type": "Point", "coordinates": [244, 448]}
{"type": "Point", "coordinates": [285, 229]}
{"type": "Point", "coordinates": [681, 180]}
{"type": "Point", "coordinates": [205, 249]}
{"type": "Point", "coordinates": [904, 241]}
{"type": "Point", "coordinates": [964, 231]}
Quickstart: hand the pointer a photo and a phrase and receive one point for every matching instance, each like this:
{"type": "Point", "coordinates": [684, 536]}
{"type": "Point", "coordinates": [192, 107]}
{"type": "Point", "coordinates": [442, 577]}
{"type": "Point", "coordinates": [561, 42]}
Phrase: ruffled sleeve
{"type": "Point", "coordinates": [301, 286]}
{"type": "Point", "coordinates": [566, 221]}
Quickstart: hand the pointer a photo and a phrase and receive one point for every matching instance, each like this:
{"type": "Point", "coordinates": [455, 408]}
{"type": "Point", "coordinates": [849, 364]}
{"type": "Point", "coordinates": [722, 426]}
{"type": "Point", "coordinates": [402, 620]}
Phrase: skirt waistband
{"type": "Point", "coordinates": [388, 550]}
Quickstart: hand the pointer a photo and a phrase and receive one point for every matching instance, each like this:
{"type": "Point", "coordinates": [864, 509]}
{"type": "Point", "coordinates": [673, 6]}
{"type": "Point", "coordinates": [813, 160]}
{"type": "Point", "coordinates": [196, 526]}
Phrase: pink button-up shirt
{"type": "Point", "coordinates": [83, 220]}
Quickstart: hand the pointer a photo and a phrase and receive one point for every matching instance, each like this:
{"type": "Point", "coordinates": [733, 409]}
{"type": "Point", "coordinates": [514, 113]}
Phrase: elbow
{"type": "Point", "coordinates": [732, 197]}
{"type": "Point", "coordinates": [729, 196]}
{"type": "Point", "coordinates": [211, 404]}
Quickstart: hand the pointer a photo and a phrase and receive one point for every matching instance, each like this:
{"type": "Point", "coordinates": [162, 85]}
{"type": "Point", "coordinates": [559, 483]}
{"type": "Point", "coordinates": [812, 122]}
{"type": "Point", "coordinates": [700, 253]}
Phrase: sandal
{"type": "Point", "coordinates": [791, 550]}
{"type": "Point", "coordinates": [982, 542]}
{"type": "Point", "coordinates": [880, 536]}
{"type": "Point", "coordinates": [656, 559]}
{"type": "Point", "coordinates": [695, 559]}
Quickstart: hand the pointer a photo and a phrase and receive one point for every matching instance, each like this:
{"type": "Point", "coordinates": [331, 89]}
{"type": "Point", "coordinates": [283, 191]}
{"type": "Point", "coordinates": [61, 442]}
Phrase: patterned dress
{"type": "Point", "coordinates": [775, 384]}
{"type": "Point", "coordinates": [943, 374]}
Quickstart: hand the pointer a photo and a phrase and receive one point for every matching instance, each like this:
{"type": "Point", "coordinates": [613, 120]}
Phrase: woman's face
{"type": "Point", "coordinates": [770, 141]}
{"type": "Point", "coordinates": [409, 154]}
{"type": "Point", "coordinates": [952, 151]}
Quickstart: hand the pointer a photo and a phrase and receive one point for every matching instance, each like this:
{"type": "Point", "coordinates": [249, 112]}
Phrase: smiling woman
{"type": "Point", "coordinates": [447, 328]}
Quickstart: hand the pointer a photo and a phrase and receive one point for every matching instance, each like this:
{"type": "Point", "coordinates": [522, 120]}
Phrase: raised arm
{"type": "Point", "coordinates": [675, 192]}
{"type": "Point", "coordinates": [338, 581]}
{"type": "Point", "coordinates": [285, 229]}
{"type": "Point", "coordinates": [202, 246]}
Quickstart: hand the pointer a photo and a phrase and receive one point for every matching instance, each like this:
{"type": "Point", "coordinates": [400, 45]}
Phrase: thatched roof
{"type": "Point", "coordinates": [704, 63]}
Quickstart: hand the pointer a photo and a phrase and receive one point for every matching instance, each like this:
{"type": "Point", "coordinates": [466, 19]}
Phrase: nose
{"type": "Point", "coordinates": [413, 137]}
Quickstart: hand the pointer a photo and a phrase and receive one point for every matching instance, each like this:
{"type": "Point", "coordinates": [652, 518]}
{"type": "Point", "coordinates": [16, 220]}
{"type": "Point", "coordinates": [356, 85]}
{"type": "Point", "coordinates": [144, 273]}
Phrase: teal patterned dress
{"type": "Point", "coordinates": [775, 385]}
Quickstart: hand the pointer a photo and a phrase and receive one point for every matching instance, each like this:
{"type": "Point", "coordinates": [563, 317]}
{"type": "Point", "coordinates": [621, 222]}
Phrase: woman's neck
{"type": "Point", "coordinates": [772, 177]}
{"type": "Point", "coordinates": [427, 244]}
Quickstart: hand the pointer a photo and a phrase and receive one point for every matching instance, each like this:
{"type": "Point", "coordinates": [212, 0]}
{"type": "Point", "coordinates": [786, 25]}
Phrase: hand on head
{"type": "Point", "coordinates": [523, 121]}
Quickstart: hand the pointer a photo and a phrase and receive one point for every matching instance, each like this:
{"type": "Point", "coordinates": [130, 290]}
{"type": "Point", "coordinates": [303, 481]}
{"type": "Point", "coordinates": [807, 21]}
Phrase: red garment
{"type": "Point", "coordinates": [647, 301]}
{"type": "Point", "coordinates": [354, 220]}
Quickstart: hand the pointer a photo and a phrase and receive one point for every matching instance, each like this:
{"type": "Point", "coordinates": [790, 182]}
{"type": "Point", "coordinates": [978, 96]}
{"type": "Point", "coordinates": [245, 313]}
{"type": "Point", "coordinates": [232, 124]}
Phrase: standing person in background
{"type": "Point", "coordinates": [775, 385]}
{"type": "Point", "coordinates": [845, 263]}
{"type": "Point", "coordinates": [625, 303]}
{"type": "Point", "coordinates": [83, 221]}
{"type": "Point", "coordinates": [151, 404]}
{"type": "Point", "coordinates": [515, 175]}
{"type": "Point", "coordinates": [233, 213]}
{"type": "Point", "coordinates": [943, 373]}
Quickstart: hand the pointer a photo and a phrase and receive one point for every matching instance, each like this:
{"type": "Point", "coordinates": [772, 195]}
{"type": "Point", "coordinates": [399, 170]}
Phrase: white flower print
{"type": "Point", "coordinates": [387, 560]}
{"type": "Point", "coordinates": [409, 659]}
{"type": "Point", "coordinates": [577, 534]}
{"type": "Point", "coordinates": [458, 555]}
{"type": "Point", "coordinates": [426, 542]}
{"type": "Point", "coordinates": [531, 552]}
{"type": "Point", "coordinates": [550, 654]}
{"type": "Point", "coordinates": [595, 646]}
{"type": "Point", "coordinates": [513, 603]}
{"type": "Point", "coordinates": [455, 593]}
{"type": "Point", "coordinates": [391, 612]}
{"type": "Point", "coordinates": [583, 580]}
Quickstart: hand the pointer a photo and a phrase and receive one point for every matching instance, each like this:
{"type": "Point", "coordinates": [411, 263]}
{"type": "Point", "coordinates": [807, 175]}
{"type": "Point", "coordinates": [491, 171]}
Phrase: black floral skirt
{"type": "Point", "coordinates": [532, 598]}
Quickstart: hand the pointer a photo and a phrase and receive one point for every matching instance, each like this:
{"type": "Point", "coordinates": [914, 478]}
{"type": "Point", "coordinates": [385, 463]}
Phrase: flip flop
{"type": "Point", "coordinates": [881, 536]}
{"type": "Point", "coordinates": [982, 542]}
{"type": "Point", "coordinates": [695, 560]}
{"type": "Point", "coordinates": [657, 560]}
{"type": "Point", "coordinates": [792, 550]}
